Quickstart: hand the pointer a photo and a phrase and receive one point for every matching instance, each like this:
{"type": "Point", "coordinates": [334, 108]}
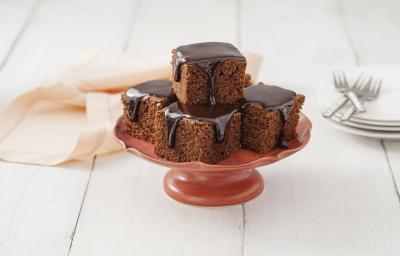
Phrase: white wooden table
{"type": "Point", "coordinates": [340, 196]}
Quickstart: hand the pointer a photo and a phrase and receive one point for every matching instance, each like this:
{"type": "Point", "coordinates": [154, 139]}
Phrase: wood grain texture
{"type": "Point", "coordinates": [60, 34]}
{"type": "Point", "coordinates": [374, 30]}
{"type": "Point", "coordinates": [126, 211]}
{"type": "Point", "coordinates": [40, 206]}
{"type": "Point", "coordinates": [392, 150]}
{"type": "Point", "coordinates": [15, 17]}
{"type": "Point", "coordinates": [294, 35]}
{"type": "Point", "coordinates": [159, 26]}
{"type": "Point", "coordinates": [337, 196]}
{"type": "Point", "coordinates": [330, 199]}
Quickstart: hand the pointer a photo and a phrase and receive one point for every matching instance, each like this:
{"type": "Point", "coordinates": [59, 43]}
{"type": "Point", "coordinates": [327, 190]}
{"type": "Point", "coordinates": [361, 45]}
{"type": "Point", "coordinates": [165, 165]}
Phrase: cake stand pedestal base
{"type": "Point", "coordinates": [231, 181]}
{"type": "Point", "coordinates": [208, 188]}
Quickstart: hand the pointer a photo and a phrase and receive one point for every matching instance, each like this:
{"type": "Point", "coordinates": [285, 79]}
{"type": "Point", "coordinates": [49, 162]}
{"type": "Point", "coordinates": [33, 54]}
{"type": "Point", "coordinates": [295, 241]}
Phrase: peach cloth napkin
{"type": "Point", "coordinates": [71, 117]}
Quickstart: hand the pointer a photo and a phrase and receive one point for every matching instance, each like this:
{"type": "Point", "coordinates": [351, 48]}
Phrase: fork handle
{"type": "Point", "coordinates": [349, 112]}
{"type": "Point", "coordinates": [335, 106]}
{"type": "Point", "coordinates": [356, 101]}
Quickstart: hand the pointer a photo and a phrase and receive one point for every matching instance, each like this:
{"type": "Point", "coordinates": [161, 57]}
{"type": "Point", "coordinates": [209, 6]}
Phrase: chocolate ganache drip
{"type": "Point", "coordinates": [271, 98]}
{"type": "Point", "coordinates": [219, 115]}
{"type": "Point", "coordinates": [268, 96]}
{"type": "Point", "coordinates": [207, 56]}
{"type": "Point", "coordinates": [133, 96]}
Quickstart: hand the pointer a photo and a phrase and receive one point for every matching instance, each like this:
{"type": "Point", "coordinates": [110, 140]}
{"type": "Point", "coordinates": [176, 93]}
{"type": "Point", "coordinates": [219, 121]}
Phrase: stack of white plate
{"type": "Point", "coordinates": [382, 118]}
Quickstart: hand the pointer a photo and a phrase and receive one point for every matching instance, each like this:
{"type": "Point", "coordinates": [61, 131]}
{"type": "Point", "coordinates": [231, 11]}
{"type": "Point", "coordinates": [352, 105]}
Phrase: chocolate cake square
{"type": "Point", "coordinates": [218, 111]}
{"type": "Point", "coordinates": [270, 117]}
{"type": "Point", "coordinates": [211, 72]}
{"type": "Point", "coordinates": [140, 104]}
{"type": "Point", "coordinates": [196, 133]}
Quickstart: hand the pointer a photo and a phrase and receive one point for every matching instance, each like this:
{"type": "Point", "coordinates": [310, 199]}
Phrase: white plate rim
{"type": "Point", "coordinates": [390, 122]}
{"type": "Point", "coordinates": [375, 123]}
{"type": "Point", "coordinates": [365, 133]}
{"type": "Point", "coordinates": [378, 128]}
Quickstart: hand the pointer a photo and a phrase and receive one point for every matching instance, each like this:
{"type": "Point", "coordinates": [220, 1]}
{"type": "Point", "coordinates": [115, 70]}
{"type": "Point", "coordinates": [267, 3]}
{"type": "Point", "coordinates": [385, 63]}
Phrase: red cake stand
{"type": "Point", "coordinates": [231, 181]}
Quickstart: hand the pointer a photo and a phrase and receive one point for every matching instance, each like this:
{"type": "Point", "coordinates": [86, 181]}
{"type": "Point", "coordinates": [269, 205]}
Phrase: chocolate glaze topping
{"type": "Point", "coordinates": [207, 56]}
{"type": "Point", "coordinates": [271, 98]}
{"type": "Point", "coordinates": [133, 96]}
{"type": "Point", "coordinates": [219, 115]}
{"type": "Point", "coordinates": [268, 96]}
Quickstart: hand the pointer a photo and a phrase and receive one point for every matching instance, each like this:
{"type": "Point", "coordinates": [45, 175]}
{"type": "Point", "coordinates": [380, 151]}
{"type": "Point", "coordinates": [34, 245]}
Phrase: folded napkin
{"type": "Point", "coordinates": [72, 116]}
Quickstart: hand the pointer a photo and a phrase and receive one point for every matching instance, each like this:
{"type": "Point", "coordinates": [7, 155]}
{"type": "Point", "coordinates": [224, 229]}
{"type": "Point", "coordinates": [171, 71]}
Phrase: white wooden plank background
{"type": "Point", "coordinates": [213, 232]}
{"type": "Point", "coordinates": [339, 196]}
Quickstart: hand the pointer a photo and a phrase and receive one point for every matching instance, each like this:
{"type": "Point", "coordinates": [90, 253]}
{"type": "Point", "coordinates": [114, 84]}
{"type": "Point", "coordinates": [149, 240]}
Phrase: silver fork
{"type": "Point", "coordinates": [351, 93]}
{"type": "Point", "coordinates": [369, 92]}
{"type": "Point", "coordinates": [341, 84]}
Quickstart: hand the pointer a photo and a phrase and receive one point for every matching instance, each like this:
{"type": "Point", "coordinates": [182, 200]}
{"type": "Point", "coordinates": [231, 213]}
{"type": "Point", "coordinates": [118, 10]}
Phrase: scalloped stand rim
{"type": "Point", "coordinates": [232, 181]}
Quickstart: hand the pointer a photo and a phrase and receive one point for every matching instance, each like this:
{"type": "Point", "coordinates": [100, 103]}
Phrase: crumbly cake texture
{"type": "Point", "coordinates": [261, 128]}
{"type": "Point", "coordinates": [229, 82]}
{"type": "Point", "coordinates": [144, 128]}
{"type": "Point", "coordinates": [258, 117]}
{"type": "Point", "coordinates": [195, 140]}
